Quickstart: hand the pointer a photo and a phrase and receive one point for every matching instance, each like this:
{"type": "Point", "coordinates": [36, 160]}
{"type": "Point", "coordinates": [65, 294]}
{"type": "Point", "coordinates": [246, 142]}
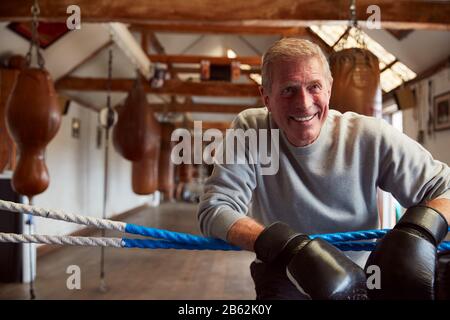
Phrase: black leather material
{"type": "Point", "coordinates": [429, 219]}
{"type": "Point", "coordinates": [278, 242]}
{"type": "Point", "coordinates": [407, 256]}
{"type": "Point", "coordinates": [443, 277]}
{"type": "Point", "coordinates": [325, 273]}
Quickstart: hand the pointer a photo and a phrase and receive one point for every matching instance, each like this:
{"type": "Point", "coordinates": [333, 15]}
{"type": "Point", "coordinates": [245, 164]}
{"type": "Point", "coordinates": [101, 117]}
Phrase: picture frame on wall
{"type": "Point", "coordinates": [441, 110]}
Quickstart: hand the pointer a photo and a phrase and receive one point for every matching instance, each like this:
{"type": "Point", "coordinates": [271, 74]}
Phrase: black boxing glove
{"type": "Point", "coordinates": [443, 276]}
{"type": "Point", "coordinates": [314, 266]}
{"type": "Point", "coordinates": [407, 256]}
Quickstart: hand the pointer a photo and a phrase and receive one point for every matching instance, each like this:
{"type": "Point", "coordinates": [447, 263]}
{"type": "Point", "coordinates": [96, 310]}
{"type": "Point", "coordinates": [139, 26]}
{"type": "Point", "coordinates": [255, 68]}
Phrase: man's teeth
{"type": "Point", "coordinates": [307, 118]}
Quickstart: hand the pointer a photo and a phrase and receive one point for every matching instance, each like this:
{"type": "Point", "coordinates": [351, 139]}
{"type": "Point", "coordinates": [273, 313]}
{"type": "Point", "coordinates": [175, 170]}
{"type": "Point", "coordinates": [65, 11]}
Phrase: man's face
{"type": "Point", "coordinates": [299, 98]}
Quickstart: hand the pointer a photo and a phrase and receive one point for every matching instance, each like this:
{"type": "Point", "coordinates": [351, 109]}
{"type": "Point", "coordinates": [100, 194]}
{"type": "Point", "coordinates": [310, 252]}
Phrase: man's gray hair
{"type": "Point", "coordinates": [287, 48]}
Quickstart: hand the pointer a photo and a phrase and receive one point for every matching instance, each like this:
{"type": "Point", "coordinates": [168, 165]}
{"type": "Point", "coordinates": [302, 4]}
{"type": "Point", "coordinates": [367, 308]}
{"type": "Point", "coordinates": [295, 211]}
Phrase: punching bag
{"type": "Point", "coordinates": [166, 166]}
{"type": "Point", "coordinates": [185, 172]}
{"type": "Point", "coordinates": [33, 117]}
{"type": "Point", "coordinates": [144, 174]}
{"type": "Point", "coordinates": [137, 131]}
{"type": "Point", "coordinates": [356, 82]}
{"type": "Point", "coordinates": [8, 77]}
{"type": "Point", "coordinates": [137, 137]}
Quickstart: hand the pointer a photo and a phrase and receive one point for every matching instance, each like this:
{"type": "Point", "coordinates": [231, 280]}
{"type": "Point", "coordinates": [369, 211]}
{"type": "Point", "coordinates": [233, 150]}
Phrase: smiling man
{"type": "Point", "coordinates": [297, 95]}
{"type": "Point", "coordinates": [330, 166]}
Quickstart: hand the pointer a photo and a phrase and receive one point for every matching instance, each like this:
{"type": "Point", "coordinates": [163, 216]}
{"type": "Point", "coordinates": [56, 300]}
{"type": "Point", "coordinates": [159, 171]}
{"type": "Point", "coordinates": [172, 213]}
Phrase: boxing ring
{"type": "Point", "coordinates": [163, 239]}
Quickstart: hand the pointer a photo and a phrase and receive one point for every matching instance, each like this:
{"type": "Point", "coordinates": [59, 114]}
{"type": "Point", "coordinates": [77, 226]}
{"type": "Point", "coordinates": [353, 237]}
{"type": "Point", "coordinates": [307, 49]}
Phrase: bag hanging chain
{"type": "Point", "coordinates": [34, 41]}
{"type": "Point", "coordinates": [353, 29]}
{"type": "Point", "coordinates": [358, 35]}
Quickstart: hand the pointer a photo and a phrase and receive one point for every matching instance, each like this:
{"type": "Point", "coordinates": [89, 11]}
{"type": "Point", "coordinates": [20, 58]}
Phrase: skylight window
{"type": "Point", "coordinates": [390, 80]}
{"type": "Point", "coordinates": [329, 34]}
{"type": "Point", "coordinates": [405, 73]}
{"type": "Point", "coordinates": [391, 77]}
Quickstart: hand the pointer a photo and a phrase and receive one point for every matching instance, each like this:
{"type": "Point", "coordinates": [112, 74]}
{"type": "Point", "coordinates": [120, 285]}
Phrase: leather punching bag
{"type": "Point", "coordinates": [166, 166]}
{"type": "Point", "coordinates": [356, 82]}
{"type": "Point", "coordinates": [144, 174]}
{"type": "Point", "coordinates": [137, 137]}
{"type": "Point", "coordinates": [33, 118]}
{"type": "Point", "coordinates": [137, 131]}
{"type": "Point", "coordinates": [8, 78]}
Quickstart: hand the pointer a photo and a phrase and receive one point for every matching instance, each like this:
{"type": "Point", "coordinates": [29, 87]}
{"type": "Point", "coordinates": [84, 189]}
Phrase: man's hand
{"type": "Point", "coordinates": [315, 267]}
{"type": "Point", "coordinates": [407, 255]}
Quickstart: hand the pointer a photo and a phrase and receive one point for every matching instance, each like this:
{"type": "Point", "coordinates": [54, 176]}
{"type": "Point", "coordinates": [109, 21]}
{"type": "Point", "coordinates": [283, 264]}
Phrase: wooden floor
{"type": "Point", "coordinates": [144, 273]}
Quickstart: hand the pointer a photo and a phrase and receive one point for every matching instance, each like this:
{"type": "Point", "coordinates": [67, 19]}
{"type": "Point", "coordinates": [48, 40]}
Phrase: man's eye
{"type": "Point", "coordinates": [287, 90]}
{"type": "Point", "coordinates": [315, 87]}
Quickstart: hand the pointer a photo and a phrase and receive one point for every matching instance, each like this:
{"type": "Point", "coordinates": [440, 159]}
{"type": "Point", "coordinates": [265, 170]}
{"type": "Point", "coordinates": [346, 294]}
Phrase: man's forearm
{"type": "Point", "coordinates": [243, 233]}
{"type": "Point", "coordinates": [441, 205]}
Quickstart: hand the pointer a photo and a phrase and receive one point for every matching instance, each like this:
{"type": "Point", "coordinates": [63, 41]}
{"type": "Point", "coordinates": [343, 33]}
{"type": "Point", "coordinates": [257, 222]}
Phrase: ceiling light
{"type": "Point", "coordinates": [231, 54]}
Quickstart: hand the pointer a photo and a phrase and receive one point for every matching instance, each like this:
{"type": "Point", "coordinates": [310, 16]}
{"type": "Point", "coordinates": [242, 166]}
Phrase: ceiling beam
{"type": "Point", "coordinates": [205, 108]}
{"type": "Point", "coordinates": [210, 28]}
{"type": "Point", "coordinates": [156, 44]}
{"type": "Point", "coordinates": [175, 107]}
{"type": "Point", "coordinates": [252, 60]}
{"type": "Point", "coordinates": [159, 49]}
{"type": "Point", "coordinates": [211, 88]}
{"type": "Point", "coordinates": [400, 14]}
{"type": "Point", "coordinates": [197, 70]}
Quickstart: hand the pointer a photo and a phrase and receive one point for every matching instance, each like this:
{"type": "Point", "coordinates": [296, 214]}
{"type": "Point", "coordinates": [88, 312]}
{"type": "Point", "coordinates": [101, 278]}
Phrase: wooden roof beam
{"type": "Point", "coordinates": [216, 28]}
{"type": "Point", "coordinates": [400, 14]}
{"type": "Point", "coordinates": [211, 88]}
{"type": "Point", "coordinates": [197, 70]}
{"type": "Point", "coordinates": [204, 108]}
{"type": "Point", "coordinates": [252, 60]}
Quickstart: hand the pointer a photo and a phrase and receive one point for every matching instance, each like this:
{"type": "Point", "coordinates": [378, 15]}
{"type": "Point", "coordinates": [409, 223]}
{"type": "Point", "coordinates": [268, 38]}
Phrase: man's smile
{"type": "Point", "coordinates": [304, 119]}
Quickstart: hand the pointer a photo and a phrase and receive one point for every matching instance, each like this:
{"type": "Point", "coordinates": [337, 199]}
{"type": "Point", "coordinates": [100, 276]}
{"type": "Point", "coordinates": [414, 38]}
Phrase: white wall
{"type": "Point", "coordinates": [65, 53]}
{"type": "Point", "coordinates": [438, 143]}
{"type": "Point", "coordinates": [76, 168]}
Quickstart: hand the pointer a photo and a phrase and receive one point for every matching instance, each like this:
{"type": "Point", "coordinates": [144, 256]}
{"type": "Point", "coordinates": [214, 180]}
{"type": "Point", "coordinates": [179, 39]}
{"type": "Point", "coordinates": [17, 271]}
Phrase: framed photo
{"type": "Point", "coordinates": [442, 111]}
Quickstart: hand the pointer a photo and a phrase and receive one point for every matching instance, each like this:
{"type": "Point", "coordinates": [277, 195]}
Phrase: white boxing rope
{"type": "Point", "coordinates": [60, 215]}
{"type": "Point", "coordinates": [61, 240]}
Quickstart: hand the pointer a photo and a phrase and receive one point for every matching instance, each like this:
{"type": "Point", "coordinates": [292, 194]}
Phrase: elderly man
{"type": "Point", "coordinates": [330, 165]}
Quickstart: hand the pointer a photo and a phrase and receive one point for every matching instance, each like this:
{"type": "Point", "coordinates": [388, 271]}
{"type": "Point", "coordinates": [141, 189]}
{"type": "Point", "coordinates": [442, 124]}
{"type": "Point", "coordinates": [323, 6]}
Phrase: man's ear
{"type": "Point", "coordinates": [264, 97]}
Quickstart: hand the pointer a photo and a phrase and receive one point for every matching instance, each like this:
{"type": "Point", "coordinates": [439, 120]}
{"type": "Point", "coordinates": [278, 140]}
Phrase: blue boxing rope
{"type": "Point", "coordinates": [165, 239]}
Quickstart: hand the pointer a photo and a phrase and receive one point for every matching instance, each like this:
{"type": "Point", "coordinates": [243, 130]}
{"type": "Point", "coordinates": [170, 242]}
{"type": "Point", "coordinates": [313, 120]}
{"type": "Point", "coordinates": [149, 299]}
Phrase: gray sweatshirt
{"type": "Point", "coordinates": [328, 186]}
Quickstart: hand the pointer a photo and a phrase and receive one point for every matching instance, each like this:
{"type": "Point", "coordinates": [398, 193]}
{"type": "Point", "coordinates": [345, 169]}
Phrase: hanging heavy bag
{"type": "Point", "coordinates": [33, 118]}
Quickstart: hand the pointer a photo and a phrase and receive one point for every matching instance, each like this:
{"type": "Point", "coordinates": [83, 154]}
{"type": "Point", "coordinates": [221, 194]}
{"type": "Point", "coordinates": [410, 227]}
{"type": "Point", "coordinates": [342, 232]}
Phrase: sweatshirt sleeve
{"type": "Point", "coordinates": [227, 194]}
{"type": "Point", "coordinates": [408, 171]}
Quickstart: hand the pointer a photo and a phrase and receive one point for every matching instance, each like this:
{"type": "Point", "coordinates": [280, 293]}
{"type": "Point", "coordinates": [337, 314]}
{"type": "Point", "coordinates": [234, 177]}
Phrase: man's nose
{"type": "Point", "coordinates": [303, 99]}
